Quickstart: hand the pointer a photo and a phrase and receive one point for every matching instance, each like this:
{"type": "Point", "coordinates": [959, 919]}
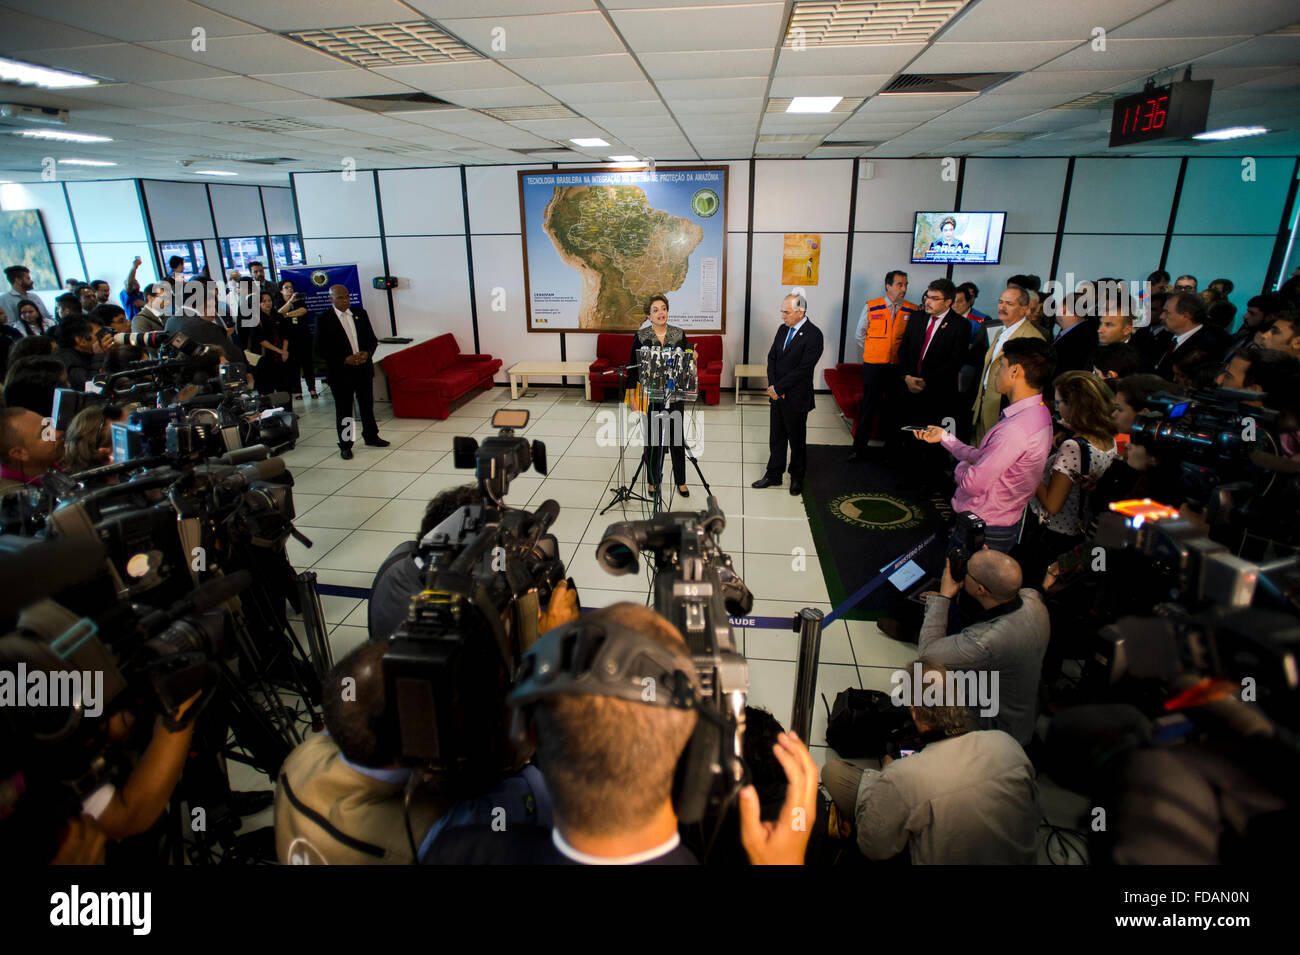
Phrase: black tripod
{"type": "Point", "coordinates": [624, 492]}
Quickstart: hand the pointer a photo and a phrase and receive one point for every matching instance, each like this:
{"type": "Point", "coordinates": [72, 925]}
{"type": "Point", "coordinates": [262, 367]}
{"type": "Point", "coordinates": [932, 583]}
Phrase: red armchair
{"type": "Point", "coordinates": [424, 379]}
{"type": "Point", "coordinates": [845, 383]}
{"type": "Point", "coordinates": [612, 352]}
{"type": "Point", "coordinates": [708, 359]}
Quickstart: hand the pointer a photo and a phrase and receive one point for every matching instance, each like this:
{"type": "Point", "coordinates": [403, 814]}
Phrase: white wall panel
{"type": "Point", "coordinates": [280, 217]}
{"type": "Point", "coordinates": [494, 198]}
{"type": "Point", "coordinates": [896, 191]}
{"type": "Point", "coordinates": [874, 254]}
{"type": "Point", "coordinates": [333, 207]}
{"type": "Point", "coordinates": [1028, 190]}
{"type": "Point", "coordinates": [1244, 259]}
{"type": "Point", "coordinates": [107, 211]}
{"type": "Point", "coordinates": [111, 261]}
{"type": "Point", "coordinates": [368, 257]}
{"type": "Point", "coordinates": [498, 262]}
{"type": "Point", "coordinates": [432, 296]}
{"type": "Point", "coordinates": [1127, 257]}
{"type": "Point", "coordinates": [238, 210]}
{"type": "Point", "coordinates": [825, 301]}
{"type": "Point", "coordinates": [733, 342]}
{"type": "Point", "coordinates": [177, 210]}
{"type": "Point", "coordinates": [802, 195]}
{"type": "Point", "coordinates": [67, 263]}
{"type": "Point", "coordinates": [48, 198]}
{"type": "Point", "coordinates": [1122, 196]}
{"type": "Point", "coordinates": [422, 201]}
{"type": "Point", "coordinates": [1216, 200]}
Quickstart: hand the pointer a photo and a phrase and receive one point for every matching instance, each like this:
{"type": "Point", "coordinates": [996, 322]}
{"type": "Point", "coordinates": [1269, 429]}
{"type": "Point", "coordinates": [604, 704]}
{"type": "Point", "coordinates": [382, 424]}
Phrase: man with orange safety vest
{"type": "Point", "coordinates": [880, 332]}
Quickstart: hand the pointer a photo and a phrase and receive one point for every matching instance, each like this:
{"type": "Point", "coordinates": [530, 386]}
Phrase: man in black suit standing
{"type": "Point", "coordinates": [930, 358]}
{"type": "Point", "coordinates": [1185, 331]}
{"type": "Point", "coordinates": [346, 341]}
{"type": "Point", "coordinates": [794, 354]}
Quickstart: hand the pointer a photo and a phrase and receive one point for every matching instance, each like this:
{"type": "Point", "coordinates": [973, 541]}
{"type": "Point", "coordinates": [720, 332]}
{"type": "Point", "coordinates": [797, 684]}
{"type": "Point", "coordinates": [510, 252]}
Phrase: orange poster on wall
{"type": "Point", "coordinates": [800, 258]}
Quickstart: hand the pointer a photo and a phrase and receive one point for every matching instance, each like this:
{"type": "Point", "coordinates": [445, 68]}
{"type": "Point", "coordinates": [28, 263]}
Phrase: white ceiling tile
{"type": "Point", "coordinates": [909, 102]}
{"type": "Point", "coordinates": [1180, 18]}
{"type": "Point", "coordinates": [1069, 83]}
{"type": "Point", "coordinates": [578, 94]}
{"type": "Point", "coordinates": [134, 21]}
{"type": "Point", "coordinates": [446, 9]}
{"type": "Point", "coordinates": [214, 112]}
{"type": "Point", "coordinates": [993, 57]}
{"type": "Point", "coordinates": [847, 60]}
{"type": "Point", "coordinates": [23, 32]}
{"type": "Point", "coordinates": [859, 86]}
{"type": "Point", "coordinates": [606, 68]}
{"type": "Point", "coordinates": [331, 83]}
{"type": "Point", "coordinates": [715, 64]}
{"type": "Point", "coordinates": [312, 14]}
{"type": "Point", "coordinates": [122, 62]}
{"type": "Point", "coordinates": [744, 27]}
{"type": "Point", "coordinates": [227, 89]}
{"type": "Point", "coordinates": [463, 75]}
{"type": "Point", "coordinates": [130, 95]}
{"type": "Point", "coordinates": [747, 105]}
{"type": "Point", "coordinates": [689, 89]}
{"type": "Point", "coordinates": [640, 108]}
{"type": "Point", "coordinates": [553, 34]}
{"type": "Point", "coordinates": [256, 54]}
{"type": "Point", "coordinates": [500, 97]}
{"type": "Point", "coordinates": [1149, 55]}
{"type": "Point", "coordinates": [1261, 51]}
{"type": "Point", "coordinates": [1002, 20]}
{"type": "Point", "coordinates": [309, 109]}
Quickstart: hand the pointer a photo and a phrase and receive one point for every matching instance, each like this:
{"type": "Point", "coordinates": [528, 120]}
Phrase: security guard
{"type": "Point", "coordinates": [880, 332]}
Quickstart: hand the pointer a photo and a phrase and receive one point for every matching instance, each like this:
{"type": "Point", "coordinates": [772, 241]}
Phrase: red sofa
{"type": "Point", "coordinates": [424, 379]}
{"type": "Point", "coordinates": [845, 383]}
{"type": "Point", "coordinates": [614, 350]}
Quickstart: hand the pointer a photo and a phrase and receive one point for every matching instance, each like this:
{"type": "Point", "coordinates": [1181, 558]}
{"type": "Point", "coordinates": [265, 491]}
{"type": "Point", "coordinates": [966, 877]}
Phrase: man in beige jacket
{"type": "Point", "coordinates": [1013, 310]}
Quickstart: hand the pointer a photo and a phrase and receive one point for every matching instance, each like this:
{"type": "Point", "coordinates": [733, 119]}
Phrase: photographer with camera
{"type": "Point", "coordinates": [996, 480]}
{"type": "Point", "coordinates": [1006, 634]}
{"type": "Point", "coordinates": [77, 340]}
{"type": "Point", "coordinates": [967, 797]}
{"type": "Point", "coordinates": [609, 753]}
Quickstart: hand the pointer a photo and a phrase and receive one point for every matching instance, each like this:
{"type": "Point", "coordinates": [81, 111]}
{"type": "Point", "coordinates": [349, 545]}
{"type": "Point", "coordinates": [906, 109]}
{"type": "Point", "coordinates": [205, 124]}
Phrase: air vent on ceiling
{"type": "Point", "coordinates": [944, 82]}
{"type": "Point", "coordinates": [1091, 101]}
{"type": "Point", "coordinates": [998, 137]}
{"type": "Point", "coordinates": [388, 44]}
{"type": "Point", "coordinates": [781, 104]}
{"type": "Point", "coordinates": [853, 22]}
{"type": "Point", "coordinates": [240, 157]}
{"type": "Point", "coordinates": [400, 149]}
{"type": "Point", "coordinates": [514, 114]}
{"type": "Point", "coordinates": [790, 139]}
{"type": "Point", "coordinates": [272, 124]}
{"type": "Point", "coordinates": [548, 150]}
{"type": "Point", "coordinates": [395, 102]}
{"type": "Point", "coordinates": [851, 144]}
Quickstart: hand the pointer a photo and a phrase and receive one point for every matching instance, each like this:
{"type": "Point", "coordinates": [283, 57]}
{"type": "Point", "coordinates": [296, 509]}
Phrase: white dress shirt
{"type": "Point", "coordinates": [349, 324]}
{"type": "Point", "coordinates": [1007, 332]}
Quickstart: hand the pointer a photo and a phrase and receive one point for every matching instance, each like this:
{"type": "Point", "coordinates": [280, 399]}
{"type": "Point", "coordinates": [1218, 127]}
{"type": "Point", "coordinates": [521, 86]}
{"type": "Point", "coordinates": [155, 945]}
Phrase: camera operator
{"type": "Point", "coordinates": [609, 764]}
{"type": "Point", "coordinates": [77, 339]}
{"type": "Point", "coordinates": [31, 383]}
{"type": "Point", "coordinates": [996, 480]}
{"type": "Point", "coordinates": [152, 317]}
{"type": "Point", "coordinates": [339, 798]}
{"type": "Point", "coordinates": [25, 454]}
{"type": "Point", "coordinates": [1007, 634]}
{"type": "Point", "coordinates": [88, 442]}
{"type": "Point", "coordinates": [968, 797]}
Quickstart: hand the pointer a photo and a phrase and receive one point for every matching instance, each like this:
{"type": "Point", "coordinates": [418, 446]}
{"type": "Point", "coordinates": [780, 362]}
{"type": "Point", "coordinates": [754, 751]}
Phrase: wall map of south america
{"type": "Point", "coordinates": [598, 244]}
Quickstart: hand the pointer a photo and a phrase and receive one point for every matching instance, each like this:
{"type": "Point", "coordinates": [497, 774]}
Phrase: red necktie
{"type": "Point", "coordinates": [929, 330]}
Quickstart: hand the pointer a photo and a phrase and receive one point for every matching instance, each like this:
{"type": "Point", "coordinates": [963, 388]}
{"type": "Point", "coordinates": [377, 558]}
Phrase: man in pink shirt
{"type": "Point", "coordinates": [996, 480]}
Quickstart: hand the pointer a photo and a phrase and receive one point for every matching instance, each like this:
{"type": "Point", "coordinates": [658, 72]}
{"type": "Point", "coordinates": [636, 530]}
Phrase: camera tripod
{"type": "Point", "coordinates": [624, 493]}
{"type": "Point", "coordinates": [656, 500]}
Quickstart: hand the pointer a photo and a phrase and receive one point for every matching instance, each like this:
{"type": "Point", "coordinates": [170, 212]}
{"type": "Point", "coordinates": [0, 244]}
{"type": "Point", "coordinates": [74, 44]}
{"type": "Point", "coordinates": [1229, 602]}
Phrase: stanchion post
{"type": "Point", "coordinates": [808, 624]}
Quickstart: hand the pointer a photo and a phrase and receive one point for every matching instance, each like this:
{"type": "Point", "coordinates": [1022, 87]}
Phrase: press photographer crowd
{"type": "Point", "coordinates": [1116, 607]}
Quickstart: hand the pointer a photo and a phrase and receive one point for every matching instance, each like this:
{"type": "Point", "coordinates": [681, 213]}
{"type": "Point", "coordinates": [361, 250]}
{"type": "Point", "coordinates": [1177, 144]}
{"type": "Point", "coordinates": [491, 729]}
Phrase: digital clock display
{"type": "Point", "coordinates": [1161, 112]}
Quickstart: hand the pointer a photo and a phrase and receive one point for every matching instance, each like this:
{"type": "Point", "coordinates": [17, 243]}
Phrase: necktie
{"type": "Point", "coordinates": [788, 336]}
{"type": "Point", "coordinates": [929, 330]}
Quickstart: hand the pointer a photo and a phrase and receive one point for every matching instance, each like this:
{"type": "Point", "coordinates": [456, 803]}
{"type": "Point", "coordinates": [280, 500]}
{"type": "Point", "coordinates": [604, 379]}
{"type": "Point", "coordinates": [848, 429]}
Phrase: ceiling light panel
{"type": "Point", "coordinates": [388, 44]}
{"type": "Point", "coordinates": [820, 23]}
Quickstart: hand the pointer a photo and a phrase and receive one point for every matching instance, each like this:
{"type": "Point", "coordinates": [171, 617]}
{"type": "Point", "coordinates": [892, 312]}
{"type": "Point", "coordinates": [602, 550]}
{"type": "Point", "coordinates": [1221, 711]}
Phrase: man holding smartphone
{"type": "Point", "coordinates": [996, 480]}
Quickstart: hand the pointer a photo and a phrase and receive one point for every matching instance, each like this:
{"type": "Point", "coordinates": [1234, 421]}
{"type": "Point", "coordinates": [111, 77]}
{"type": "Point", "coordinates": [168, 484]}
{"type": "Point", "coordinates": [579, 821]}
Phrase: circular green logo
{"type": "Point", "coordinates": [878, 512]}
{"type": "Point", "coordinates": [705, 203]}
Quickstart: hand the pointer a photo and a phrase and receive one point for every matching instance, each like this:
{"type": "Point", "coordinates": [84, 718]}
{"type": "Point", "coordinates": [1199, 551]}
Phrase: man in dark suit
{"type": "Point", "coordinates": [1186, 331]}
{"type": "Point", "coordinates": [346, 341]}
{"type": "Point", "coordinates": [933, 351]}
{"type": "Point", "coordinates": [794, 354]}
{"type": "Point", "coordinates": [1076, 336]}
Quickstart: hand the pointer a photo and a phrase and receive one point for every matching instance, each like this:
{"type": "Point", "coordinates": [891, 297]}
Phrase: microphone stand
{"type": "Point", "coordinates": [625, 491]}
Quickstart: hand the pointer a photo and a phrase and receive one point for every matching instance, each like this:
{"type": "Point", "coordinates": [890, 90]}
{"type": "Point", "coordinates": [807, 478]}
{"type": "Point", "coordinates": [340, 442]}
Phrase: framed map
{"type": "Point", "coordinates": [23, 242]}
{"type": "Point", "coordinates": [599, 243]}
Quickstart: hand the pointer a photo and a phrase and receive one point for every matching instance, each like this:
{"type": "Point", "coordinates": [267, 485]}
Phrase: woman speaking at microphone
{"type": "Point", "coordinates": [668, 337]}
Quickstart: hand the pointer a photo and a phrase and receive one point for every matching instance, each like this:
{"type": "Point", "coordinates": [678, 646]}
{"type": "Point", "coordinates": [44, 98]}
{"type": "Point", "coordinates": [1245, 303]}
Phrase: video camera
{"type": "Point", "coordinates": [696, 589]}
{"type": "Point", "coordinates": [488, 568]}
{"type": "Point", "coordinates": [967, 539]}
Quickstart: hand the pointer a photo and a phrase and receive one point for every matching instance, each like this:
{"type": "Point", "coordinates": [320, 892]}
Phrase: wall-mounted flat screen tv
{"type": "Point", "coordinates": [968, 238]}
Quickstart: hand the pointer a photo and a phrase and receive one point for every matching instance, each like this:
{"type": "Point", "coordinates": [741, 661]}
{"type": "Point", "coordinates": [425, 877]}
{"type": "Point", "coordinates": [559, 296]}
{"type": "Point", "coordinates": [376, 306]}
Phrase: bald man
{"type": "Point", "coordinates": [1006, 634]}
{"type": "Point", "coordinates": [29, 449]}
{"type": "Point", "coordinates": [346, 341]}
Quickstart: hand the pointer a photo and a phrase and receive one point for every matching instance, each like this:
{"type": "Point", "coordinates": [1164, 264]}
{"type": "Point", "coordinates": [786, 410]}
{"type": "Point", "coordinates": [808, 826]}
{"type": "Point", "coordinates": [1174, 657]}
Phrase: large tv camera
{"type": "Point", "coordinates": [488, 569]}
{"type": "Point", "coordinates": [697, 589]}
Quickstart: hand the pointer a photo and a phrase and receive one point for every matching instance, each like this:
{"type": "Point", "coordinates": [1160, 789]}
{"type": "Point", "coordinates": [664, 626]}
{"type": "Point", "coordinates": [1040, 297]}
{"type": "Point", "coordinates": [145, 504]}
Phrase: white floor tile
{"type": "Point", "coordinates": [323, 541]}
{"type": "Point", "coordinates": [777, 535]}
{"type": "Point", "coordinates": [431, 441]}
{"type": "Point", "coordinates": [363, 550]}
{"type": "Point", "coordinates": [424, 487]}
{"type": "Point", "coordinates": [385, 484]}
{"type": "Point", "coordinates": [780, 577]}
{"type": "Point", "coordinates": [408, 460]}
{"type": "Point", "coordinates": [342, 511]}
{"type": "Point", "coordinates": [401, 515]}
{"type": "Point", "coordinates": [321, 480]}
{"type": "Point", "coordinates": [343, 640]}
{"type": "Point", "coordinates": [873, 648]}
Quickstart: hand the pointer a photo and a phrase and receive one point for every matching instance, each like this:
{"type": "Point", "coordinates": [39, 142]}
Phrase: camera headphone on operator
{"type": "Point", "coordinates": [590, 658]}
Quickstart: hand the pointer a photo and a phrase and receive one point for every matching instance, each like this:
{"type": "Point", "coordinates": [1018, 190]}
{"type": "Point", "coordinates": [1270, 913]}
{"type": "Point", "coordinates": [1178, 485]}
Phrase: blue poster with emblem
{"type": "Point", "coordinates": [313, 283]}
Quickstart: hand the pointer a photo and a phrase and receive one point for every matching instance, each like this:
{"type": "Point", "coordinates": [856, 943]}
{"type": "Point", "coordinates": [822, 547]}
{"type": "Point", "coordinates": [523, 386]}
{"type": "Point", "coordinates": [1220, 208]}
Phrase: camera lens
{"type": "Point", "coordinates": [618, 551]}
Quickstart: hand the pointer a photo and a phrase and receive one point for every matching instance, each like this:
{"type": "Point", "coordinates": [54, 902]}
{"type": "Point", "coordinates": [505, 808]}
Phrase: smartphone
{"type": "Point", "coordinates": [917, 429]}
{"type": "Point", "coordinates": [905, 752]}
